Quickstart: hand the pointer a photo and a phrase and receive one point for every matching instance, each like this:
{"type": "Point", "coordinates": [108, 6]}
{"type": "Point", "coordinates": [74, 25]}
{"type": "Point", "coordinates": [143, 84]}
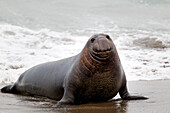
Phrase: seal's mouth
{"type": "Point", "coordinates": [102, 55]}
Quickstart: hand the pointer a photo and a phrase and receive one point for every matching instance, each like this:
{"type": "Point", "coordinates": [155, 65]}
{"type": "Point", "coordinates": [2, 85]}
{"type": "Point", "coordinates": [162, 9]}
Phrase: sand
{"type": "Point", "coordinates": [157, 91]}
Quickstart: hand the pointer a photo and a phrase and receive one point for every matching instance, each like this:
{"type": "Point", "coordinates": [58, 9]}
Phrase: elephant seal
{"type": "Point", "coordinates": [94, 75]}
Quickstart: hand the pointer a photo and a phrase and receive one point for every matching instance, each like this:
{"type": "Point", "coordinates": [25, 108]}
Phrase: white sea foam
{"type": "Point", "coordinates": [144, 54]}
{"type": "Point", "coordinates": [22, 48]}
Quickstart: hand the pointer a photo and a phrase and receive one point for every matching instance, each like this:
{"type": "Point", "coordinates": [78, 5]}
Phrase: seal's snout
{"type": "Point", "coordinates": [102, 45]}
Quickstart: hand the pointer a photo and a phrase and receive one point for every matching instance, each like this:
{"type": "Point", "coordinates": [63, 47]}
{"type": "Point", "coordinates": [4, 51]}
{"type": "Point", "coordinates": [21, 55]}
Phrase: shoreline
{"type": "Point", "coordinates": [156, 90]}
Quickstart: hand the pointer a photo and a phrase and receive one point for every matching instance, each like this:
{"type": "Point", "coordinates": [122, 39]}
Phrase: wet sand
{"type": "Point", "coordinates": [157, 91]}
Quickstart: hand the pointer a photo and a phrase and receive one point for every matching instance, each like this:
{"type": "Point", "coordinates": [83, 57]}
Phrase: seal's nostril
{"type": "Point", "coordinates": [108, 49]}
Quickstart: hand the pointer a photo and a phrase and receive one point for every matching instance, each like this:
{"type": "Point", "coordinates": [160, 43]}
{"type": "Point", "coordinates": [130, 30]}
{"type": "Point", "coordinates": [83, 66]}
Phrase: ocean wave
{"type": "Point", "coordinates": [22, 48]}
{"type": "Point", "coordinates": [151, 43]}
{"type": "Point", "coordinates": [144, 54]}
{"type": "Point", "coordinates": [140, 39]}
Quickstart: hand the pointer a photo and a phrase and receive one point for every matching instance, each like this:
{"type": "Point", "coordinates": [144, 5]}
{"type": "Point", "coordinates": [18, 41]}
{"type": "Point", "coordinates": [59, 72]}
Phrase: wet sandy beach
{"type": "Point", "coordinates": [157, 91]}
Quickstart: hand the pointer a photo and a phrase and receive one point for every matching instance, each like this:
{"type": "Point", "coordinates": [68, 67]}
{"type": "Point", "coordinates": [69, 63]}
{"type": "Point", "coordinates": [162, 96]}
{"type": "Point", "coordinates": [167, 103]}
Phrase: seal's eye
{"type": "Point", "coordinates": [92, 40]}
{"type": "Point", "coordinates": [108, 37]}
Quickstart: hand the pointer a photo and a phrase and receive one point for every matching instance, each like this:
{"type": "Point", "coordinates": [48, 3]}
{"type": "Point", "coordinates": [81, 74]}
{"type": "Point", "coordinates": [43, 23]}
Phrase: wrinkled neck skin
{"type": "Point", "coordinates": [92, 62]}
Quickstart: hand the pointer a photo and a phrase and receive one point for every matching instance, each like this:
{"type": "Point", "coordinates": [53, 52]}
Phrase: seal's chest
{"type": "Point", "coordinates": [99, 87]}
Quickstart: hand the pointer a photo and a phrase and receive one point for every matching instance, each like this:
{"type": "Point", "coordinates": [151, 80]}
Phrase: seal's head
{"type": "Point", "coordinates": [99, 55]}
{"type": "Point", "coordinates": [101, 47]}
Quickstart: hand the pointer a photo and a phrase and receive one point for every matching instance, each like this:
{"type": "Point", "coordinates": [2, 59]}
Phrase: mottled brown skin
{"type": "Point", "coordinates": [94, 75]}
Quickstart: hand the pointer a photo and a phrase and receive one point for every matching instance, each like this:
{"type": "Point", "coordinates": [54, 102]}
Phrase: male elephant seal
{"type": "Point", "coordinates": [94, 75]}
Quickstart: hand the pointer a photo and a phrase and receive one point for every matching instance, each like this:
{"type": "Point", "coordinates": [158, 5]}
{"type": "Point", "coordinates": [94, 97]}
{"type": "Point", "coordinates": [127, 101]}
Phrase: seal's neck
{"type": "Point", "coordinates": [89, 65]}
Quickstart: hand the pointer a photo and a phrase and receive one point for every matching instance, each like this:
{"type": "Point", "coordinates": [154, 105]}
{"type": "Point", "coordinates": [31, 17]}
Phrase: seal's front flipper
{"type": "Point", "coordinates": [129, 97]}
{"type": "Point", "coordinates": [124, 94]}
{"type": "Point", "coordinates": [8, 89]}
{"type": "Point", "coordinates": [65, 102]}
{"type": "Point", "coordinates": [68, 97]}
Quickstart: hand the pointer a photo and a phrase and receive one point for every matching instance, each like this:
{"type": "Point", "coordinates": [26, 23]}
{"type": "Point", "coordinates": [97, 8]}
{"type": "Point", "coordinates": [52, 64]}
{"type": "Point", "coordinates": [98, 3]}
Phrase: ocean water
{"type": "Point", "coordinates": [38, 31]}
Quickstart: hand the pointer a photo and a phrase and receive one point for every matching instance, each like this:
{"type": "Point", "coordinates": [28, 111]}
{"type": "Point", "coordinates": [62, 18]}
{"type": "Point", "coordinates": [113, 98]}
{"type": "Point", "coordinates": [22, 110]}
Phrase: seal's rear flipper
{"type": "Point", "coordinates": [8, 89]}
